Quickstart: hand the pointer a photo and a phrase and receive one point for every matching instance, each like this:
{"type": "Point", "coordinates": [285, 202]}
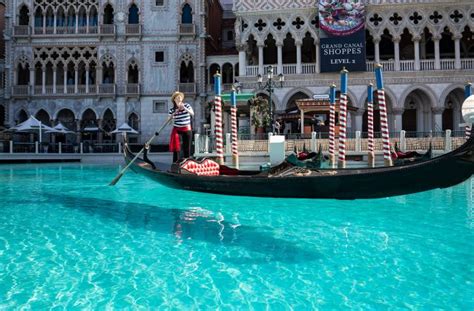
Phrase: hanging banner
{"type": "Point", "coordinates": [342, 35]}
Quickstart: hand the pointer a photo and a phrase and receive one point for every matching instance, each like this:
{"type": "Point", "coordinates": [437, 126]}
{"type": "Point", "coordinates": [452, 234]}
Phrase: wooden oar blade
{"type": "Point", "coordinates": [116, 179]}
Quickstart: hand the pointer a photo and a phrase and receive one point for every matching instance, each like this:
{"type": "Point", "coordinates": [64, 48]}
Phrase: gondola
{"type": "Point", "coordinates": [288, 181]}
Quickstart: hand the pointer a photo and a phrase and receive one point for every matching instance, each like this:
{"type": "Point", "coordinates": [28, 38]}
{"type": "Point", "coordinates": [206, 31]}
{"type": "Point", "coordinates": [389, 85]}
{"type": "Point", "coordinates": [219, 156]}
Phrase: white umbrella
{"type": "Point", "coordinates": [31, 125]}
{"type": "Point", "coordinates": [124, 128]}
{"type": "Point", "coordinates": [60, 129]}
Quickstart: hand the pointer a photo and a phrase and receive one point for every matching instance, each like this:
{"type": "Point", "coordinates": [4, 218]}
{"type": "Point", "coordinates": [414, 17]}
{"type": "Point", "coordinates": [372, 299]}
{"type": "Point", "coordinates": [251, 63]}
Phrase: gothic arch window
{"type": "Point", "coordinates": [427, 48]}
{"type": "Point", "coordinates": [82, 17]}
{"type": "Point", "coordinates": [81, 71]}
{"type": "Point", "coordinates": [369, 46]}
{"type": "Point", "coordinates": [133, 121]}
{"type": "Point", "coordinates": [108, 70]}
{"type": "Point", "coordinates": [308, 49]}
{"type": "Point", "coordinates": [71, 19]}
{"type": "Point", "coordinates": [270, 51]}
{"type": "Point", "coordinates": [93, 16]}
{"type": "Point", "coordinates": [386, 45]}
{"type": "Point", "coordinates": [60, 18]}
{"type": "Point", "coordinates": [407, 47]}
{"type": "Point", "coordinates": [38, 18]}
{"type": "Point", "coordinates": [186, 72]}
{"type": "Point", "coordinates": [289, 50]}
{"type": "Point", "coordinates": [252, 51]}
{"type": "Point", "coordinates": [22, 116]}
{"type": "Point", "coordinates": [187, 14]}
{"type": "Point", "coordinates": [467, 43]}
{"type": "Point", "coordinates": [89, 119]}
{"type": "Point", "coordinates": [44, 117]}
{"type": "Point", "coordinates": [66, 117]}
{"type": "Point", "coordinates": [23, 72]}
{"type": "Point", "coordinates": [446, 44]}
{"type": "Point", "coordinates": [133, 74]}
{"type": "Point", "coordinates": [24, 16]}
{"type": "Point", "coordinates": [49, 74]}
{"type": "Point", "coordinates": [108, 121]}
{"type": "Point", "coordinates": [133, 14]}
{"type": "Point", "coordinates": [227, 73]}
{"type": "Point", "coordinates": [38, 74]}
{"type": "Point", "coordinates": [49, 18]}
{"type": "Point", "coordinates": [108, 14]}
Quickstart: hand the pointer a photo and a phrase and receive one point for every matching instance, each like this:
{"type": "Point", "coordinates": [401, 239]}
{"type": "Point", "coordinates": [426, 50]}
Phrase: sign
{"type": "Point", "coordinates": [342, 35]}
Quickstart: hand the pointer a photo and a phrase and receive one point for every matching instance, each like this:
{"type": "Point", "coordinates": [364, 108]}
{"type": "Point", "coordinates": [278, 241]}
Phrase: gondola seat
{"type": "Point", "coordinates": [205, 167]}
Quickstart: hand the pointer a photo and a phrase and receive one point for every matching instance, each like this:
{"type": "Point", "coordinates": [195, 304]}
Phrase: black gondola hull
{"type": "Point", "coordinates": [444, 171]}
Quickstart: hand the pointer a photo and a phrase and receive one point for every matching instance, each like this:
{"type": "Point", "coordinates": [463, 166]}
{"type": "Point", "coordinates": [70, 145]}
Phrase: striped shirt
{"type": "Point", "coordinates": [182, 118]}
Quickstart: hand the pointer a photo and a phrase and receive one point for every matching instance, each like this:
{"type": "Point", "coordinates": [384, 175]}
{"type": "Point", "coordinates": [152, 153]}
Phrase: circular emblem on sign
{"type": "Point", "coordinates": [341, 17]}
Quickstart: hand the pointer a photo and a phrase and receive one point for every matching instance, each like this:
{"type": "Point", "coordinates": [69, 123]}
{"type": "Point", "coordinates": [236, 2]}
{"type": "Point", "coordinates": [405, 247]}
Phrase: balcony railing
{"type": "Point", "coordinates": [21, 31]}
{"type": "Point", "coordinates": [107, 89]}
{"type": "Point", "coordinates": [388, 65]}
{"type": "Point", "coordinates": [107, 30]}
{"type": "Point", "coordinates": [132, 89]}
{"type": "Point", "coordinates": [187, 88]}
{"type": "Point", "coordinates": [187, 29]}
{"type": "Point", "coordinates": [21, 90]}
{"type": "Point", "coordinates": [133, 29]}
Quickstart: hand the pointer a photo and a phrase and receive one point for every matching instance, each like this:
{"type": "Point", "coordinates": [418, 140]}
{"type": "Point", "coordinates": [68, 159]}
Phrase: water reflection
{"type": "Point", "coordinates": [191, 224]}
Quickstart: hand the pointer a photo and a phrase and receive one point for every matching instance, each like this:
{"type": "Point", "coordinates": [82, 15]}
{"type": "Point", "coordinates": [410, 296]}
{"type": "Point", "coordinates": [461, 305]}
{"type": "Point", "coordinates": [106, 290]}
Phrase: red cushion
{"type": "Point", "coordinates": [204, 168]}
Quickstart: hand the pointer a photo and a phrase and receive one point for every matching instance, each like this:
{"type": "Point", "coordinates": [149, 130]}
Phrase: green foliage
{"type": "Point", "coordinates": [261, 112]}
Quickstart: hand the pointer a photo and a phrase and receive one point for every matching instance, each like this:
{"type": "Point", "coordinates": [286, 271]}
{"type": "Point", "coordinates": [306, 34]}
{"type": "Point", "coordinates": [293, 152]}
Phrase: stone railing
{"type": "Point", "coordinates": [187, 88]}
{"type": "Point", "coordinates": [133, 29]}
{"type": "Point", "coordinates": [187, 29]}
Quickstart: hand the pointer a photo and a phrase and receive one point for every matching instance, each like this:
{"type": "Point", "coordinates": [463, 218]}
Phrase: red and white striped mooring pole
{"type": "Point", "coordinates": [332, 125]}
{"type": "Point", "coordinates": [233, 121]}
{"type": "Point", "coordinates": [467, 93]}
{"type": "Point", "coordinates": [218, 114]}
{"type": "Point", "coordinates": [343, 119]}
{"type": "Point", "coordinates": [370, 125]}
{"type": "Point", "coordinates": [383, 115]}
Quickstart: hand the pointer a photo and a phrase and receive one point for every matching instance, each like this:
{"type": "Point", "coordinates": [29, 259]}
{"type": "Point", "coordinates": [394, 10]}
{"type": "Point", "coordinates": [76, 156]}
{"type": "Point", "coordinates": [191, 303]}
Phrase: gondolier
{"type": "Point", "coordinates": [181, 113]}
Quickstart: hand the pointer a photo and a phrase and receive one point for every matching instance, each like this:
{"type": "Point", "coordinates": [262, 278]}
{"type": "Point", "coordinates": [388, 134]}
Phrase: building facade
{"type": "Point", "coordinates": [94, 64]}
{"type": "Point", "coordinates": [426, 49]}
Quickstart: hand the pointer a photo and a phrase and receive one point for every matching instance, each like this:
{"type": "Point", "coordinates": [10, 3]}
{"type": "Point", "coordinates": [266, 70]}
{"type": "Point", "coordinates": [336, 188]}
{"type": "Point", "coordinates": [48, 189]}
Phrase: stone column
{"type": "Point", "coordinates": [43, 80]}
{"type": "Point", "coordinates": [279, 57]}
{"type": "Point", "coordinates": [457, 52]}
{"type": "Point", "coordinates": [76, 76]}
{"type": "Point", "coordinates": [100, 134]}
{"type": "Point", "coordinates": [302, 121]}
{"type": "Point", "coordinates": [77, 22]}
{"type": "Point", "coordinates": [438, 118]}
{"type": "Point", "coordinates": [416, 44]}
{"type": "Point", "coordinates": [260, 59]}
{"type": "Point", "coordinates": [65, 79]}
{"type": "Point", "coordinates": [54, 77]}
{"type": "Point", "coordinates": [396, 51]}
{"type": "Point", "coordinates": [242, 61]}
{"type": "Point", "coordinates": [44, 22]}
{"type": "Point", "coordinates": [298, 57]}
{"type": "Point", "coordinates": [54, 23]}
{"type": "Point", "coordinates": [437, 63]}
{"type": "Point", "coordinates": [318, 63]}
{"type": "Point", "coordinates": [397, 117]}
{"type": "Point", "coordinates": [377, 50]}
{"type": "Point", "coordinates": [32, 80]}
{"type": "Point", "coordinates": [87, 79]}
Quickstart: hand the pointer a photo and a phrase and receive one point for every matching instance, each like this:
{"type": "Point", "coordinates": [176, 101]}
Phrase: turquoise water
{"type": "Point", "coordinates": [67, 240]}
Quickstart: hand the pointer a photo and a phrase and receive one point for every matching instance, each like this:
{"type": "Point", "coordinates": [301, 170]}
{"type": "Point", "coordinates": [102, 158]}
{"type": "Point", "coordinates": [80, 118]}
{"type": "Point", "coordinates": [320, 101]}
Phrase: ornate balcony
{"type": "Point", "coordinates": [132, 90]}
{"type": "Point", "coordinates": [107, 30]}
{"type": "Point", "coordinates": [187, 88]}
{"type": "Point", "coordinates": [133, 30]}
{"type": "Point", "coordinates": [106, 90]}
{"type": "Point", "coordinates": [187, 29]}
{"type": "Point", "coordinates": [21, 31]}
{"type": "Point", "coordinates": [21, 91]}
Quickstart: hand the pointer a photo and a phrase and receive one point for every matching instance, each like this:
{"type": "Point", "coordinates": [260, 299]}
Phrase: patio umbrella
{"type": "Point", "coordinates": [60, 129]}
{"type": "Point", "coordinates": [31, 126]}
{"type": "Point", "coordinates": [124, 128]}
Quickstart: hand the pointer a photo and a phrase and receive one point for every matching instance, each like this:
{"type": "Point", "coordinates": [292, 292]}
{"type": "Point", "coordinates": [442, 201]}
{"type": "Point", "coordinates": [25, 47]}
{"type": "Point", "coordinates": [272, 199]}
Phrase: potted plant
{"type": "Point", "coordinates": [260, 113]}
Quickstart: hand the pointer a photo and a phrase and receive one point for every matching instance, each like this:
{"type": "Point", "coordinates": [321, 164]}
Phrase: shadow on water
{"type": "Point", "coordinates": [192, 224]}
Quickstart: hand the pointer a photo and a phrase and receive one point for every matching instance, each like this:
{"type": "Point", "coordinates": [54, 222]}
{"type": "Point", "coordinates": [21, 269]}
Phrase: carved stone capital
{"type": "Point", "coordinates": [437, 110]}
{"type": "Point", "coordinates": [397, 110]}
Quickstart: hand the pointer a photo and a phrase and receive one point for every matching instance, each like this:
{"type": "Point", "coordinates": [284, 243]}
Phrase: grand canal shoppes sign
{"type": "Point", "coordinates": [342, 35]}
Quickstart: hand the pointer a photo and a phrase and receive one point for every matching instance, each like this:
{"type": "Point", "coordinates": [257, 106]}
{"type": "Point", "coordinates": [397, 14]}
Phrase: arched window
{"type": "Point", "coordinates": [44, 117]}
{"type": "Point", "coordinates": [71, 19]}
{"type": "Point", "coordinates": [133, 14]}
{"type": "Point", "coordinates": [60, 18]}
{"type": "Point", "coordinates": [108, 14]}
{"type": "Point", "coordinates": [186, 72]}
{"type": "Point", "coordinates": [93, 16]}
{"type": "Point", "coordinates": [108, 121]}
{"type": "Point", "coordinates": [22, 116]}
{"type": "Point", "coordinates": [133, 75]}
{"type": "Point", "coordinates": [2, 116]}
{"type": "Point", "coordinates": [82, 17]}
{"type": "Point", "coordinates": [66, 117]}
{"type": "Point", "coordinates": [49, 18]}
{"type": "Point", "coordinates": [133, 121]}
{"type": "Point", "coordinates": [24, 18]}
{"type": "Point", "coordinates": [108, 73]}
{"type": "Point", "coordinates": [187, 16]}
{"type": "Point", "coordinates": [38, 18]}
{"type": "Point", "coordinates": [23, 74]}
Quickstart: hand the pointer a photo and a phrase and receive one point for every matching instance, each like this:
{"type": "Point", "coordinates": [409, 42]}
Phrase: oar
{"type": "Point", "coordinates": [117, 178]}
